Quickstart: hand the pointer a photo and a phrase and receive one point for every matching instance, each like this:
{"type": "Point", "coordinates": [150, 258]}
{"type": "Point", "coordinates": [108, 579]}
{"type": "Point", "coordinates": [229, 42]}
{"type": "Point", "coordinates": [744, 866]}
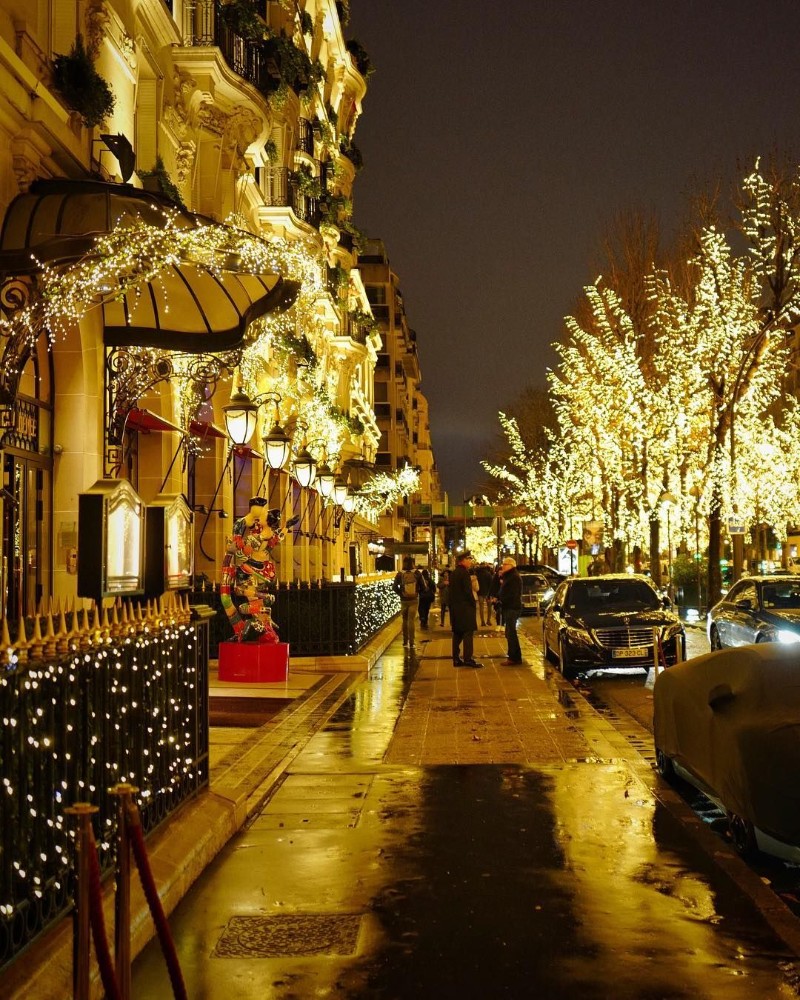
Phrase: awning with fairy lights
{"type": "Point", "coordinates": [190, 305]}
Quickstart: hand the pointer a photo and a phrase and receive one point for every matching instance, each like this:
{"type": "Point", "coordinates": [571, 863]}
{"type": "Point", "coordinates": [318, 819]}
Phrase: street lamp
{"type": "Point", "coordinates": [304, 466]}
{"type": "Point", "coordinates": [665, 501]}
{"type": "Point", "coordinates": [241, 417]}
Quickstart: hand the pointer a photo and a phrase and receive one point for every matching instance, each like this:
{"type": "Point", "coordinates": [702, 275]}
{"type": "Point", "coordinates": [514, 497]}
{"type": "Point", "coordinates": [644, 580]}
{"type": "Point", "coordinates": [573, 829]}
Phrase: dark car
{"type": "Point", "coordinates": [552, 575]}
{"type": "Point", "coordinates": [536, 592]}
{"type": "Point", "coordinates": [610, 621]}
{"type": "Point", "coordinates": [757, 609]}
{"type": "Point", "coordinates": [729, 723]}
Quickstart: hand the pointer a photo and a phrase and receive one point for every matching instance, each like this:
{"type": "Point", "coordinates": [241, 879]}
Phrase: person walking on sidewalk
{"type": "Point", "coordinates": [494, 594]}
{"type": "Point", "coordinates": [443, 586]}
{"type": "Point", "coordinates": [407, 586]}
{"type": "Point", "coordinates": [426, 597]}
{"type": "Point", "coordinates": [463, 617]}
{"type": "Point", "coordinates": [510, 599]}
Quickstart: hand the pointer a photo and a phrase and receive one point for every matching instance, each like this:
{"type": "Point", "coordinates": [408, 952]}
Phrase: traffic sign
{"type": "Point", "coordinates": [735, 526]}
{"type": "Point", "coordinates": [571, 544]}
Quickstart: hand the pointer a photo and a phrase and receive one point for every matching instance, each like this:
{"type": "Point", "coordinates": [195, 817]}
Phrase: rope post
{"type": "Point", "coordinates": [83, 812]}
{"type": "Point", "coordinates": [123, 792]}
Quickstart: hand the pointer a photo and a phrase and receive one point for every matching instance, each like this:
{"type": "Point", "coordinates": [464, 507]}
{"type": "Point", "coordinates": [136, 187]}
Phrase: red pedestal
{"type": "Point", "coordinates": [253, 662]}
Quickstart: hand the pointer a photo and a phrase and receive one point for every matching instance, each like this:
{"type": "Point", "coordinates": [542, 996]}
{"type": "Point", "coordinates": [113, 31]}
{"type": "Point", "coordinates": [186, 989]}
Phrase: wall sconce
{"type": "Point", "coordinates": [201, 508]}
{"type": "Point", "coordinates": [241, 417]}
{"type": "Point", "coordinates": [304, 466]}
{"type": "Point", "coordinates": [277, 444]}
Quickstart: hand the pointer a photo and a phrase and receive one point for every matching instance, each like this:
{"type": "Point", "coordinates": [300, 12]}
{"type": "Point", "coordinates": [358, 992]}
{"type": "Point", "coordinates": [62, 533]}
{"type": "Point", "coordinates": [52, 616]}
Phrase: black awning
{"type": "Point", "coordinates": [187, 307]}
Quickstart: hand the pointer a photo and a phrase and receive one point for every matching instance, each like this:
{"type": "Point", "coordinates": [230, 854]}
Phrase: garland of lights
{"type": "Point", "coordinates": [385, 490]}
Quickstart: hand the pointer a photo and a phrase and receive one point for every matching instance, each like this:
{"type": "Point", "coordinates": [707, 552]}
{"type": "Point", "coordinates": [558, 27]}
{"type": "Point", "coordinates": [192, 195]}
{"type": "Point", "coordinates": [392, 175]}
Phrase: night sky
{"type": "Point", "coordinates": [500, 139]}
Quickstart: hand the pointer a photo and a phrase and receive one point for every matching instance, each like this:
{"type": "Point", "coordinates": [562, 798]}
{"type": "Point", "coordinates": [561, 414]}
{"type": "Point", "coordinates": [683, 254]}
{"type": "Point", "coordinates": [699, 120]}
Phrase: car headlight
{"type": "Point", "coordinates": [548, 594]}
{"type": "Point", "coordinates": [785, 635]}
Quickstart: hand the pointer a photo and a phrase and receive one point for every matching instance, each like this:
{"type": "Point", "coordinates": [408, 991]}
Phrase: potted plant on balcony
{"type": "Point", "coordinates": [81, 86]}
{"type": "Point", "coordinates": [242, 17]}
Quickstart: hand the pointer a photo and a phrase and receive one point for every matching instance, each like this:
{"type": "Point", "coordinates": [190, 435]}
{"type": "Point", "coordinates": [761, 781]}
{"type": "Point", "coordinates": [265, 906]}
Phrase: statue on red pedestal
{"type": "Point", "coordinates": [248, 573]}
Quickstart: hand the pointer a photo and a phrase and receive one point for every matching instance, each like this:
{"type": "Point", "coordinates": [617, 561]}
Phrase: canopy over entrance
{"type": "Point", "coordinates": [186, 307]}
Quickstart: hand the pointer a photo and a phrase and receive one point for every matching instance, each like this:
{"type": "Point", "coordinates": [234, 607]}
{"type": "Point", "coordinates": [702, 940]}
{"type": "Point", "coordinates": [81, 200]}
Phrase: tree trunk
{"type": "Point", "coordinates": [655, 549]}
{"type": "Point", "coordinates": [714, 554]}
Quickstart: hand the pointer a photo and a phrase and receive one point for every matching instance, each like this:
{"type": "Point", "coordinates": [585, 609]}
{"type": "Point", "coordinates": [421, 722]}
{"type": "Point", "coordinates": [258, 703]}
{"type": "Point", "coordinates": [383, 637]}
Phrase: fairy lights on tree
{"type": "Point", "coordinates": [688, 399]}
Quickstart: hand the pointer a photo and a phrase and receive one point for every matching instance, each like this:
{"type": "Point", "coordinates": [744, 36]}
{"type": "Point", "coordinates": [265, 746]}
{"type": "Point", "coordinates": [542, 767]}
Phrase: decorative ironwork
{"type": "Point", "coordinates": [69, 729]}
{"type": "Point", "coordinates": [17, 339]}
{"type": "Point", "coordinates": [132, 372]}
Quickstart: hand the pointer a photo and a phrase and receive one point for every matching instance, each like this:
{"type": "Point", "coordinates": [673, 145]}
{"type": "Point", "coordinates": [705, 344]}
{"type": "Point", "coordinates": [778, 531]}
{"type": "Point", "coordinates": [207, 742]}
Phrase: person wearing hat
{"type": "Point", "coordinates": [510, 598]}
{"type": "Point", "coordinates": [463, 616]}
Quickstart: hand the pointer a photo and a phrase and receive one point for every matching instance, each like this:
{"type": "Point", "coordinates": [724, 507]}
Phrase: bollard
{"type": "Point", "coordinates": [83, 811]}
{"type": "Point", "coordinates": [123, 793]}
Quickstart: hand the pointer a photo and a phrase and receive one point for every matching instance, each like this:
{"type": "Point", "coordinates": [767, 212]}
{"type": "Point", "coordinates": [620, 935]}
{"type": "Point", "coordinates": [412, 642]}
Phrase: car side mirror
{"type": "Point", "coordinates": [719, 696]}
{"type": "Point", "coordinates": [666, 602]}
{"type": "Point", "coordinates": [745, 604]}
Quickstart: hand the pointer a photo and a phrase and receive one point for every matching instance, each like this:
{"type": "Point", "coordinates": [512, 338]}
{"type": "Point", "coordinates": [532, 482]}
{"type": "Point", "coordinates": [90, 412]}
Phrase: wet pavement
{"type": "Point", "coordinates": [469, 833]}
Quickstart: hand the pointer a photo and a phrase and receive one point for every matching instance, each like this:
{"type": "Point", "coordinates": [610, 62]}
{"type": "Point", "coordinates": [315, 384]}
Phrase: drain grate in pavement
{"type": "Point", "coordinates": [289, 935]}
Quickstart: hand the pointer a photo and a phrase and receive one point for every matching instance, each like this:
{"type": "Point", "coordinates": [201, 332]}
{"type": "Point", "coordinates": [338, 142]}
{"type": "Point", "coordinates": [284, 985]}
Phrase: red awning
{"type": "Point", "coordinates": [146, 422]}
{"type": "Point", "coordinates": [200, 429]}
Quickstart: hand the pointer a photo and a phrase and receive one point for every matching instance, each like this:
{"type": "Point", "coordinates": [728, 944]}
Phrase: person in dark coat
{"type": "Point", "coordinates": [443, 587]}
{"type": "Point", "coordinates": [510, 598]}
{"type": "Point", "coordinates": [426, 596]}
{"type": "Point", "coordinates": [463, 617]}
{"type": "Point", "coordinates": [494, 593]}
{"type": "Point", "coordinates": [484, 574]}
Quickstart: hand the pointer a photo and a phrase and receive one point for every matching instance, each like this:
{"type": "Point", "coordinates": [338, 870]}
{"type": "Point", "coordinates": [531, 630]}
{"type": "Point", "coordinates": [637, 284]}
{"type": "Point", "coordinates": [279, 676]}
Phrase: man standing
{"type": "Point", "coordinates": [510, 597]}
{"type": "Point", "coordinates": [463, 619]}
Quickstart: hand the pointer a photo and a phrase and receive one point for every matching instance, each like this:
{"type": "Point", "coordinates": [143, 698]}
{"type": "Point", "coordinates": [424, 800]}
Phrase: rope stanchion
{"type": "Point", "coordinates": [122, 792]}
{"type": "Point", "coordinates": [89, 910]}
{"type": "Point", "coordinates": [151, 893]}
{"type": "Point", "coordinates": [101, 948]}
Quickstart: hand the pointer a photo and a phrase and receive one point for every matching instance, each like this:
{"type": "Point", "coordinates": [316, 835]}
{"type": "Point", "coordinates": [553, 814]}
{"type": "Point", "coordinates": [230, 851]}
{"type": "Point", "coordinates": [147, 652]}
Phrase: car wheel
{"type": "Point", "coordinates": [743, 836]}
{"type": "Point", "coordinates": [714, 638]}
{"type": "Point", "coordinates": [664, 765]}
{"type": "Point", "coordinates": [564, 662]}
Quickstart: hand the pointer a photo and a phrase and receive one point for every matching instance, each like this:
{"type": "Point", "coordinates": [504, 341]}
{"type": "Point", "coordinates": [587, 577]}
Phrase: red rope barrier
{"type": "Point", "coordinates": [153, 901]}
{"type": "Point", "coordinates": [101, 947]}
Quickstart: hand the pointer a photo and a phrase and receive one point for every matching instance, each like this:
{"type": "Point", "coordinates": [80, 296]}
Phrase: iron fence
{"type": "Point", "coordinates": [131, 709]}
{"type": "Point", "coordinates": [333, 619]}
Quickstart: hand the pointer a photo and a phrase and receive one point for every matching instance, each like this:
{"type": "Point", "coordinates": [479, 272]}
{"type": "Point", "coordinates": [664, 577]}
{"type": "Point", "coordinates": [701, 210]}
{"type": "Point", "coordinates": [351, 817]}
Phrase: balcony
{"type": "Point", "coordinates": [280, 191]}
{"type": "Point", "coordinates": [264, 63]}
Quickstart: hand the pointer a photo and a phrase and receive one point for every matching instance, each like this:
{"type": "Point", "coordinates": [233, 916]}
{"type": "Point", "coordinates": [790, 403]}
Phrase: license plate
{"type": "Point", "coordinates": [633, 653]}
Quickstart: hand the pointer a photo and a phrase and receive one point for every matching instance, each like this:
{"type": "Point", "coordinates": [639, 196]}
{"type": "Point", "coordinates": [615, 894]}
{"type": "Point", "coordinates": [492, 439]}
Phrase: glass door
{"type": "Point", "coordinates": [27, 560]}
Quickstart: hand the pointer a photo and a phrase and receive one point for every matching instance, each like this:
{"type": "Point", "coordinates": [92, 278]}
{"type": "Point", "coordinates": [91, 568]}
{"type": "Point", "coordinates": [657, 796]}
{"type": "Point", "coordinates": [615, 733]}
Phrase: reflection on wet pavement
{"type": "Point", "coordinates": [370, 874]}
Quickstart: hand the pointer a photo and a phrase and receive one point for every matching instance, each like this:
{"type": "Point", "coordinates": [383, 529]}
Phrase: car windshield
{"type": "Point", "coordinates": [606, 595]}
{"type": "Point", "coordinates": [779, 596]}
{"type": "Point", "coordinates": [532, 581]}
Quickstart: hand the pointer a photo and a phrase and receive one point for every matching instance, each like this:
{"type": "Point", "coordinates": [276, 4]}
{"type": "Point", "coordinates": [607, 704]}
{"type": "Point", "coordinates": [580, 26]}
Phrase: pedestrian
{"type": "Point", "coordinates": [510, 598]}
{"type": "Point", "coordinates": [426, 597]}
{"type": "Point", "coordinates": [484, 575]}
{"type": "Point", "coordinates": [463, 611]}
{"type": "Point", "coordinates": [407, 587]}
{"type": "Point", "coordinates": [443, 586]}
{"type": "Point", "coordinates": [494, 594]}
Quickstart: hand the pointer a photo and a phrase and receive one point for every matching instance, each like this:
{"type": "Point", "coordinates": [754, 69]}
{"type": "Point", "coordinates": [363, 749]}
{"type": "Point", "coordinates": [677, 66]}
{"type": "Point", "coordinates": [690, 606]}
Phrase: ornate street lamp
{"type": "Point", "coordinates": [304, 467]}
{"type": "Point", "coordinates": [277, 444]}
{"type": "Point", "coordinates": [241, 417]}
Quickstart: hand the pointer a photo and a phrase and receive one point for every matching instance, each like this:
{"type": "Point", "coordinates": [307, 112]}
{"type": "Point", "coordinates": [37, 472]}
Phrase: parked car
{"type": "Point", "coordinates": [729, 723]}
{"type": "Point", "coordinates": [536, 592]}
{"type": "Point", "coordinates": [756, 609]}
{"type": "Point", "coordinates": [606, 622]}
{"type": "Point", "coordinates": [551, 574]}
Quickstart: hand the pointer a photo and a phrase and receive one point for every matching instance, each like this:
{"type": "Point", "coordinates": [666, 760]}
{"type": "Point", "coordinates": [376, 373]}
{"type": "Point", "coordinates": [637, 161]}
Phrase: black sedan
{"type": "Point", "coordinates": [757, 609]}
{"type": "Point", "coordinates": [610, 622]}
{"type": "Point", "coordinates": [729, 723]}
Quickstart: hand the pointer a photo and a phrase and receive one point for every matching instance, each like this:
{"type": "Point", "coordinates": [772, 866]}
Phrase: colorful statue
{"type": "Point", "coordinates": [248, 573]}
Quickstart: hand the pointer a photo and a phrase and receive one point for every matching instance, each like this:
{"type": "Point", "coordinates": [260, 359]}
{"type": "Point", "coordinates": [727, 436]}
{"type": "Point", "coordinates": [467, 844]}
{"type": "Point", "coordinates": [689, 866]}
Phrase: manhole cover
{"type": "Point", "coordinates": [289, 935]}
